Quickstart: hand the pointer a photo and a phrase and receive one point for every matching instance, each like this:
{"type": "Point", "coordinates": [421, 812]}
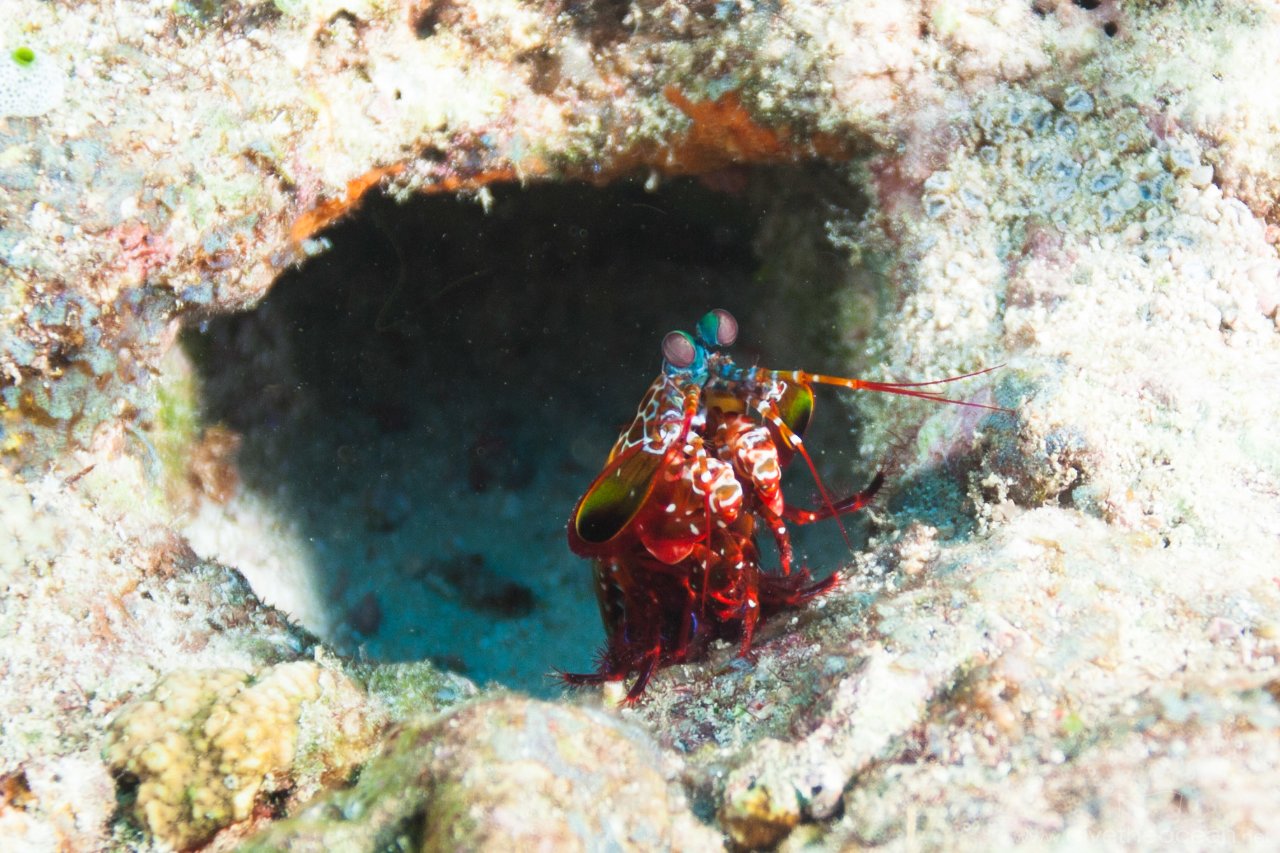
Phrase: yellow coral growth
{"type": "Point", "coordinates": [206, 742]}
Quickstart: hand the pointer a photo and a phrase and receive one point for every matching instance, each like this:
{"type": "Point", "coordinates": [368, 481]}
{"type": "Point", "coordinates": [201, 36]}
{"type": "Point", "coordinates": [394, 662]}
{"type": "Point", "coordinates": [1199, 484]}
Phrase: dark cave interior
{"type": "Point", "coordinates": [427, 399]}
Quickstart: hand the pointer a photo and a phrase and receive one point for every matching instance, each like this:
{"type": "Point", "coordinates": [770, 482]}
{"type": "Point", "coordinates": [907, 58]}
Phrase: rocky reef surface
{"type": "Point", "coordinates": [1063, 626]}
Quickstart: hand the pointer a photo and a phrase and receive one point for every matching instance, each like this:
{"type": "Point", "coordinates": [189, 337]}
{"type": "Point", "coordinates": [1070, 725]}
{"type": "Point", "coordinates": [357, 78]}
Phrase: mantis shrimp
{"type": "Point", "coordinates": [671, 522]}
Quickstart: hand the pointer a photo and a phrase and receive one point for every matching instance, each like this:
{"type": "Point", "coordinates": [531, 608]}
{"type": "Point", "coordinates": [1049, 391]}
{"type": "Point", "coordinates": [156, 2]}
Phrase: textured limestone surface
{"type": "Point", "coordinates": [104, 605]}
{"type": "Point", "coordinates": [1064, 628]}
{"type": "Point", "coordinates": [98, 599]}
{"type": "Point", "coordinates": [507, 773]}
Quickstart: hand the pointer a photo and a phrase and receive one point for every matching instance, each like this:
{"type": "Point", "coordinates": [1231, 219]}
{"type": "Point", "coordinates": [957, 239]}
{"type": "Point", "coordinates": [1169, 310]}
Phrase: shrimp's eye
{"type": "Point", "coordinates": [718, 328]}
{"type": "Point", "coordinates": [679, 349]}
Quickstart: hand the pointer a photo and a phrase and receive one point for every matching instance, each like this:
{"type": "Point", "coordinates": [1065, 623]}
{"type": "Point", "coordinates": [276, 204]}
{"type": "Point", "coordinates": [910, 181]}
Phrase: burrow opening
{"type": "Point", "coordinates": [420, 407]}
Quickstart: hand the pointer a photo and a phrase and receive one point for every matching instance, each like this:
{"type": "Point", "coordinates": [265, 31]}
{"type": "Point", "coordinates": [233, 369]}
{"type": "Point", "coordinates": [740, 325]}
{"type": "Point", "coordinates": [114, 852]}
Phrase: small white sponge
{"type": "Point", "coordinates": [30, 84]}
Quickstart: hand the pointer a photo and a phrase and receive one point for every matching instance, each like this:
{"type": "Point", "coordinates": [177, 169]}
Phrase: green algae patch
{"type": "Point", "coordinates": [177, 413]}
{"type": "Point", "coordinates": [414, 688]}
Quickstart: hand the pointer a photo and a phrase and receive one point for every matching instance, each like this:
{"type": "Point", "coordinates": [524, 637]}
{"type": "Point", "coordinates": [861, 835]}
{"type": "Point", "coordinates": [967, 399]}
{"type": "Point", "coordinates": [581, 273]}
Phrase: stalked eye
{"type": "Point", "coordinates": [718, 328]}
{"type": "Point", "coordinates": [679, 349]}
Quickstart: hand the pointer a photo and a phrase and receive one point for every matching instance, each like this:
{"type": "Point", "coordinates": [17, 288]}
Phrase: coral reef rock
{"type": "Point", "coordinates": [1063, 629]}
{"type": "Point", "coordinates": [506, 774]}
{"type": "Point", "coordinates": [99, 597]}
{"type": "Point", "coordinates": [206, 745]}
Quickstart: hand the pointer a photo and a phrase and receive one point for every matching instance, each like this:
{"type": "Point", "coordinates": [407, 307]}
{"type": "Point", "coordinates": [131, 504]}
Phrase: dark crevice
{"type": "Point", "coordinates": [427, 400]}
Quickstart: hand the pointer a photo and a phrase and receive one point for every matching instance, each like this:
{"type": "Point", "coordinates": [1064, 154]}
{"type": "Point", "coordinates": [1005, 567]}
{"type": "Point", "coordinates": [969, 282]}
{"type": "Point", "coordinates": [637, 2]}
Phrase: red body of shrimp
{"type": "Point", "coordinates": [670, 524]}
